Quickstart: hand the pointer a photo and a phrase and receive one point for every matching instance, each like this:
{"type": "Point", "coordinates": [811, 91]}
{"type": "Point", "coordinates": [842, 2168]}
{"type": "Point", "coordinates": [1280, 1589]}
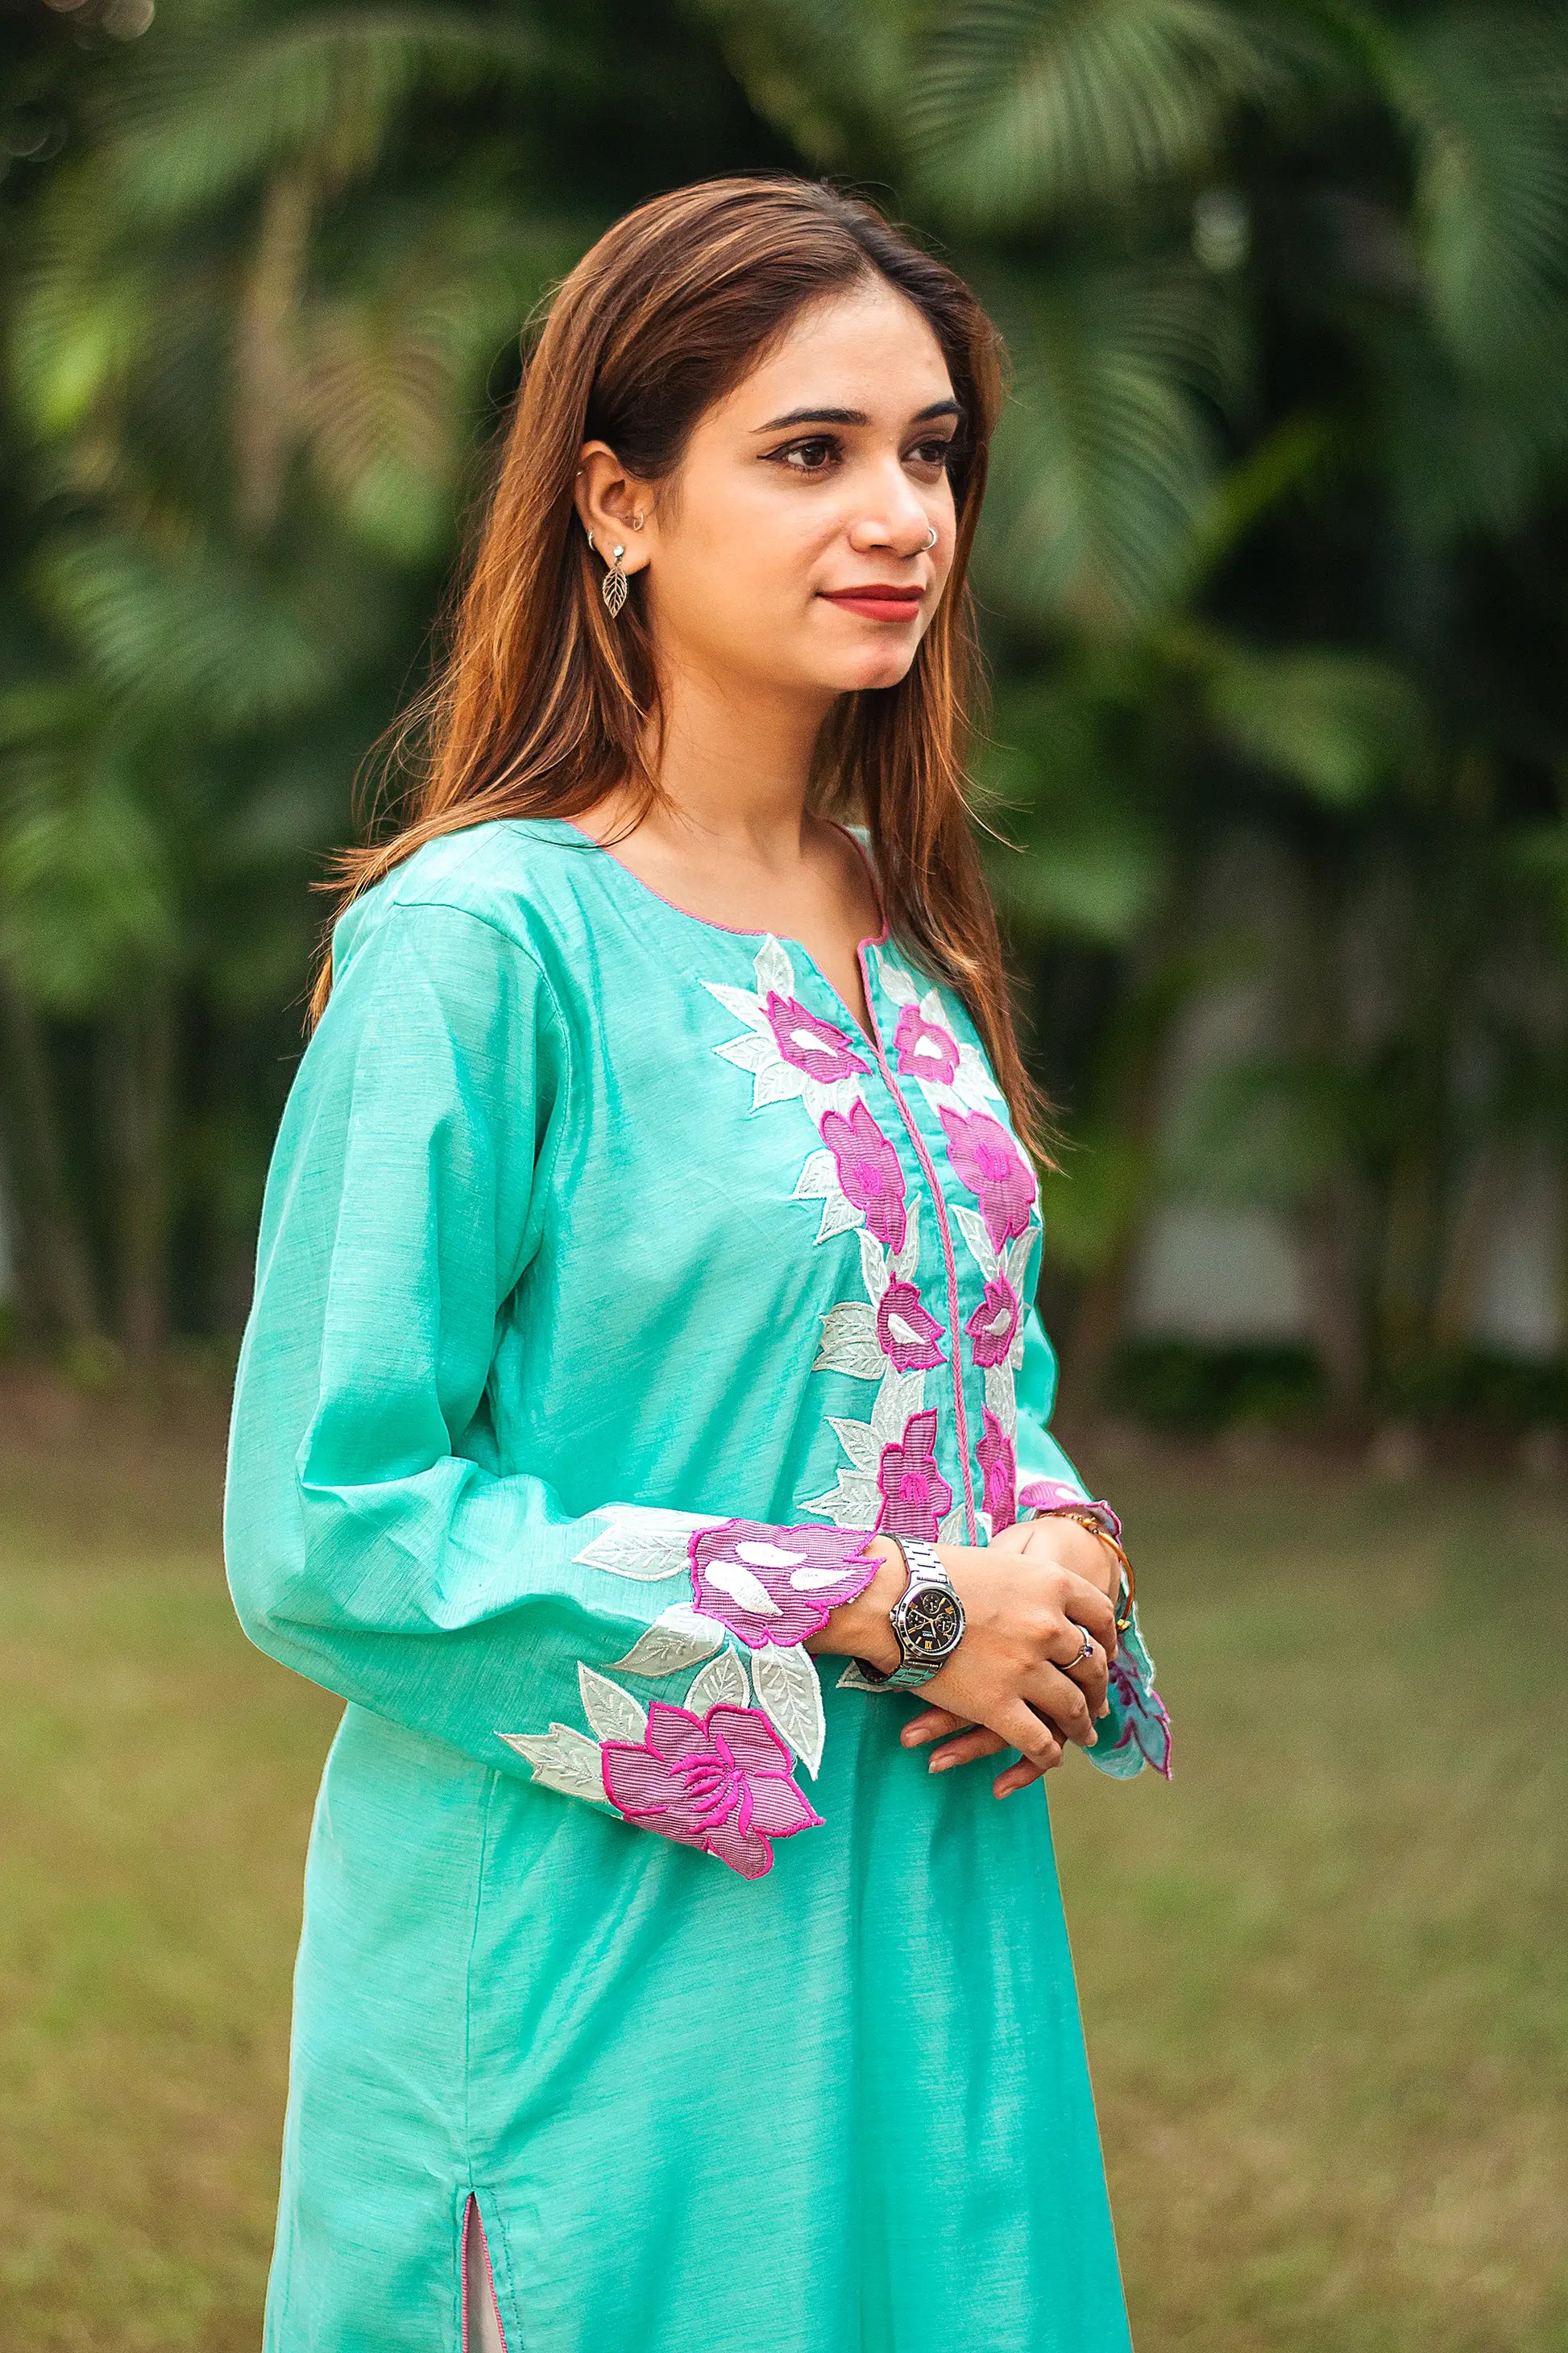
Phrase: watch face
{"type": "Point", "coordinates": [931, 1623]}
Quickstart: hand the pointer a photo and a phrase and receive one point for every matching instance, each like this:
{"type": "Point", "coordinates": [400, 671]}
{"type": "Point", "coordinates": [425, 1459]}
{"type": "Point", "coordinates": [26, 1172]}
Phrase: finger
{"type": "Point", "coordinates": [1018, 1776]}
{"type": "Point", "coordinates": [1090, 1671]}
{"type": "Point", "coordinates": [1092, 1607]}
{"type": "Point", "coordinates": [932, 1723]}
{"type": "Point", "coordinates": [1058, 1698]}
{"type": "Point", "coordinates": [1038, 1741]}
{"type": "Point", "coordinates": [963, 1751]}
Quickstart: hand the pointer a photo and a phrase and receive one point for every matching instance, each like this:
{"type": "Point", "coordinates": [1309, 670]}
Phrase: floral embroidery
{"type": "Point", "coordinates": [914, 1492]}
{"type": "Point", "coordinates": [870, 1173]}
{"type": "Point", "coordinates": [906, 1333]}
{"type": "Point", "coordinates": [1041, 1497]}
{"type": "Point", "coordinates": [994, 1323]}
{"type": "Point", "coordinates": [723, 1782]}
{"type": "Point", "coordinates": [774, 1586]}
{"type": "Point", "coordinates": [790, 1052]}
{"type": "Point", "coordinates": [923, 1049]}
{"type": "Point", "coordinates": [989, 1162]}
{"type": "Point", "coordinates": [999, 1466]}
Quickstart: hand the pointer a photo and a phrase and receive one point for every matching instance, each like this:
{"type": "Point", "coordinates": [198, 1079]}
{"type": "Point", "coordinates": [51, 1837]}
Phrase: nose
{"type": "Point", "coordinates": [897, 520]}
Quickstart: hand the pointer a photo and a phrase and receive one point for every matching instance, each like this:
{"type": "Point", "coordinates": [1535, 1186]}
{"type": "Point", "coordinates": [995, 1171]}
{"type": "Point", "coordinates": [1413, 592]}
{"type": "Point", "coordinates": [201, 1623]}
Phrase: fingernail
{"type": "Point", "coordinates": [1093, 1740]}
{"type": "Point", "coordinates": [938, 1764]}
{"type": "Point", "coordinates": [1105, 1710]}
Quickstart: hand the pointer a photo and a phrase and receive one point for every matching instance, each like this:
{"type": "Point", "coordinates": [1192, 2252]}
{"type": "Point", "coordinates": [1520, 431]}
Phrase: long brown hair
{"type": "Point", "coordinates": [540, 704]}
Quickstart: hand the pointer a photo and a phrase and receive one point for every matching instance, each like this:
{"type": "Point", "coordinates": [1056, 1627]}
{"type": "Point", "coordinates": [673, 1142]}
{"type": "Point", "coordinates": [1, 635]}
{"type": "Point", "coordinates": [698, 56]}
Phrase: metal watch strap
{"type": "Point", "coordinates": [924, 1563]}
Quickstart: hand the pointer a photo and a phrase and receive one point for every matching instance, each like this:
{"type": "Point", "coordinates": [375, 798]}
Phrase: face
{"type": "Point", "coordinates": [823, 474]}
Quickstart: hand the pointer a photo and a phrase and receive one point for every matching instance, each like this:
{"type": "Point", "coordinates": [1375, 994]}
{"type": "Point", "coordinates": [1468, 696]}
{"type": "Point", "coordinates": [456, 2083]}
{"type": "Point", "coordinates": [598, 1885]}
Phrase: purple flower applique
{"type": "Point", "coordinates": [809, 1043]}
{"type": "Point", "coordinates": [989, 1162]}
{"type": "Point", "coordinates": [922, 1049]}
{"type": "Point", "coordinates": [723, 1782]}
{"type": "Point", "coordinates": [914, 1493]}
{"type": "Point", "coordinates": [1047, 1495]}
{"type": "Point", "coordinates": [995, 1324]}
{"type": "Point", "coordinates": [996, 1458]}
{"type": "Point", "coordinates": [869, 1172]}
{"type": "Point", "coordinates": [774, 1586]}
{"type": "Point", "coordinates": [1147, 1727]}
{"type": "Point", "coordinates": [907, 1332]}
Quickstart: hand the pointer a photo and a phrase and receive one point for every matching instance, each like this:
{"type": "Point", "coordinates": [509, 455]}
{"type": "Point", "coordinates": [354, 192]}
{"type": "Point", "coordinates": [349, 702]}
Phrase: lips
{"type": "Point", "coordinates": [876, 601]}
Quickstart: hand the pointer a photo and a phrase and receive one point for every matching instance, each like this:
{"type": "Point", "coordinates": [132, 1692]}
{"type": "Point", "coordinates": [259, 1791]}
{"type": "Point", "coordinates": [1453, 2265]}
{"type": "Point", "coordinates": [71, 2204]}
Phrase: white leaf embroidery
{"type": "Point", "coordinates": [951, 1530]}
{"type": "Point", "coordinates": [971, 1225]}
{"type": "Point", "coordinates": [644, 1540]}
{"type": "Point", "coordinates": [852, 1502]}
{"type": "Point", "coordinates": [562, 1759]}
{"type": "Point", "coordinates": [614, 1713]}
{"type": "Point", "coordinates": [766, 1555]}
{"type": "Point", "coordinates": [721, 1683]}
{"type": "Point", "coordinates": [791, 1696]}
{"type": "Point", "coordinates": [860, 1443]}
{"type": "Point", "coordinates": [747, 1591]}
{"type": "Point", "coordinates": [775, 972]}
{"type": "Point", "coordinates": [853, 1680]}
{"type": "Point", "coordinates": [819, 1181]}
{"type": "Point", "coordinates": [813, 1580]}
{"type": "Point", "coordinates": [678, 1637]}
{"type": "Point", "coordinates": [873, 1266]}
{"type": "Point", "coordinates": [849, 1343]}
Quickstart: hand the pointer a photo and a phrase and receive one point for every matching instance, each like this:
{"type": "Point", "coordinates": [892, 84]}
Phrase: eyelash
{"type": "Point", "coordinates": [943, 443]}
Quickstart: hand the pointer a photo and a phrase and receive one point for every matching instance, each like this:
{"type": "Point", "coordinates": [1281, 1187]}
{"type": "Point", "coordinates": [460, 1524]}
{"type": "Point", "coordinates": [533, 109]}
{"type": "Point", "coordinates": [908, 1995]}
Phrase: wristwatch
{"type": "Point", "coordinates": [927, 1617]}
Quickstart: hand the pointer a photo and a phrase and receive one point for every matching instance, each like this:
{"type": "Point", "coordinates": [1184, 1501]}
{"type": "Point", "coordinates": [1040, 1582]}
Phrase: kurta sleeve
{"type": "Point", "coordinates": [1137, 1729]}
{"type": "Point", "coordinates": [367, 1545]}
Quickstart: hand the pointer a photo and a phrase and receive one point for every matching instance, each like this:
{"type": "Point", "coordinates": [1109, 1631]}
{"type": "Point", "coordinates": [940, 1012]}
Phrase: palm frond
{"type": "Point", "coordinates": [1023, 107]}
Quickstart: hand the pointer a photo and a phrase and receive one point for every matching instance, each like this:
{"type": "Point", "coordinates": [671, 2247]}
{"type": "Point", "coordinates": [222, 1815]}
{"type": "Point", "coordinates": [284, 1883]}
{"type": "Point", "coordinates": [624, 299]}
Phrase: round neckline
{"type": "Point", "coordinates": [739, 931]}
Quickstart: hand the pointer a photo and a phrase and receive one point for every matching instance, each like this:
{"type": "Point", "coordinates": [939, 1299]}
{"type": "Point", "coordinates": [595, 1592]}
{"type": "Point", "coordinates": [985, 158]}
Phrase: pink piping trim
{"type": "Point", "coordinates": [473, 2208]}
{"type": "Point", "coordinates": [940, 1205]}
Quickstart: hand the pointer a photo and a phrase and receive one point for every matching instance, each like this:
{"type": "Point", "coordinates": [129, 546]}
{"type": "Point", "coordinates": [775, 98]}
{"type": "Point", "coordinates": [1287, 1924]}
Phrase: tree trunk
{"type": "Point", "coordinates": [139, 1092]}
{"type": "Point", "coordinates": [53, 1263]}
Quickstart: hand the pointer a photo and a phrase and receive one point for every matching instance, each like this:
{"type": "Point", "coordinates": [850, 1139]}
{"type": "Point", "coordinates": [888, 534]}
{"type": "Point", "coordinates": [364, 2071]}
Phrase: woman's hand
{"type": "Point", "coordinates": [1071, 1544]}
{"type": "Point", "coordinates": [1027, 1596]}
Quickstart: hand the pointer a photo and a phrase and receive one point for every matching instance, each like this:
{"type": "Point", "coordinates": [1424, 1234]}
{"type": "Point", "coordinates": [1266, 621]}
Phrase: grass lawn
{"type": "Point", "coordinates": [1323, 1971]}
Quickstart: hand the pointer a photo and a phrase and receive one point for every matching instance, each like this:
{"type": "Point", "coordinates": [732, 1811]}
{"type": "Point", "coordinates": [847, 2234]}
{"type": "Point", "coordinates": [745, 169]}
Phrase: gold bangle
{"type": "Point", "coordinates": [1096, 1527]}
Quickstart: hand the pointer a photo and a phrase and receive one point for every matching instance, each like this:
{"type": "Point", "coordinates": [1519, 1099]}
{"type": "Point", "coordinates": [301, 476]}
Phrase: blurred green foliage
{"type": "Point", "coordinates": [1268, 571]}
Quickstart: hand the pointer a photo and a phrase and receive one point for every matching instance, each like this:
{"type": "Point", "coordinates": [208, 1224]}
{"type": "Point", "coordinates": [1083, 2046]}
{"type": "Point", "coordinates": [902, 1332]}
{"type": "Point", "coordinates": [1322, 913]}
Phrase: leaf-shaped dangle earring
{"type": "Point", "coordinates": [612, 587]}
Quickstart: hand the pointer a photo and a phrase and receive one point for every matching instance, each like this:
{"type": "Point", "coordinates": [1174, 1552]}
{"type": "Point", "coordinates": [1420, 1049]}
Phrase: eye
{"type": "Point", "coordinates": [816, 455]}
{"type": "Point", "coordinates": [935, 451]}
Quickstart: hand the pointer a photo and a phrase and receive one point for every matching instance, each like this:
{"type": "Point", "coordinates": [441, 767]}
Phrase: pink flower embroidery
{"type": "Point", "coordinates": [776, 1584]}
{"type": "Point", "coordinates": [914, 1492]}
{"type": "Point", "coordinates": [922, 1049]}
{"type": "Point", "coordinates": [1047, 1495]}
{"type": "Point", "coordinates": [908, 1332]}
{"type": "Point", "coordinates": [989, 1162]}
{"type": "Point", "coordinates": [723, 1782]}
{"type": "Point", "coordinates": [995, 1324]}
{"type": "Point", "coordinates": [809, 1043]}
{"type": "Point", "coordinates": [997, 1460]}
{"type": "Point", "coordinates": [869, 1172]}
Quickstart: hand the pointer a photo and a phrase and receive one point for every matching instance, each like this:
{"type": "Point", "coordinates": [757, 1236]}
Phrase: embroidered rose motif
{"type": "Point", "coordinates": [993, 1323]}
{"type": "Point", "coordinates": [869, 1172]}
{"type": "Point", "coordinates": [774, 1586]}
{"type": "Point", "coordinates": [907, 1332]}
{"type": "Point", "coordinates": [922, 1049]}
{"type": "Point", "coordinates": [998, 1461]}
{"type": "Point", "coordinates": [914, 1493]}
{"type": "Point", "coordinates": [988, 1161]}
{"type": "Point", "coordinates": [723, 1782]}
{"type": "Point", "coordinates": [811, 1044]}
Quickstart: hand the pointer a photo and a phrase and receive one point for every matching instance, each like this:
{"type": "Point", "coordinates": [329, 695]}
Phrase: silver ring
{"type": "Point", "coordinates": [1088, 1649]}
{"type": "Point", "coordinates": [932, 540]}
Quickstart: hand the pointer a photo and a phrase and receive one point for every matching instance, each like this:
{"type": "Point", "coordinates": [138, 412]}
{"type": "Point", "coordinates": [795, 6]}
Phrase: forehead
{"type": "Point", "coordinates": [868, 348]}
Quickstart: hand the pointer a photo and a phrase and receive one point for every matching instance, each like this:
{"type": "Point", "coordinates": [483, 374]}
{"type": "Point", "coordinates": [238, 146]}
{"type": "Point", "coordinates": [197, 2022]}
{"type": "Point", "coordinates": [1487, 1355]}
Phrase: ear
{"type": "Point", "coordinates": [615, 506]}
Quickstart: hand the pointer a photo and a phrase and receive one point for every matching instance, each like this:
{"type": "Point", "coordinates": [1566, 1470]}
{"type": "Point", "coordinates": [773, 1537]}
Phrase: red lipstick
{"type": "Point", "coordinates": [878, 601]}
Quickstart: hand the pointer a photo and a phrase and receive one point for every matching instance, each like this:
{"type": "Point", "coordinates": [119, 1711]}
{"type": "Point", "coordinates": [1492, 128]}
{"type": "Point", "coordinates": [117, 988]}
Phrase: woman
{"type": "Point", "coordinates": [641, 1382]}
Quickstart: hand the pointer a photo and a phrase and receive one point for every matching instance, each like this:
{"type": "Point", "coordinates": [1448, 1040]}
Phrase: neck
{"type": "Point", "coordinates": [737, 766]}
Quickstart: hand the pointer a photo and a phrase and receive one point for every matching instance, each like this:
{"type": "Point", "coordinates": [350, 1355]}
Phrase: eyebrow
{"type": "Point", "coordinates": [856, 416]}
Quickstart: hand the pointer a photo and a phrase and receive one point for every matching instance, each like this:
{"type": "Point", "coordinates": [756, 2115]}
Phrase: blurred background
{"type": "Point", "coordinates": [1274, 785]}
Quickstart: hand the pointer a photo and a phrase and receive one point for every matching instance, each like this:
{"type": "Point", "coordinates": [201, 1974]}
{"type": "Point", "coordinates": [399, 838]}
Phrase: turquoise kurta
{"type": "Point", "coordinates": [613, 1285]}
